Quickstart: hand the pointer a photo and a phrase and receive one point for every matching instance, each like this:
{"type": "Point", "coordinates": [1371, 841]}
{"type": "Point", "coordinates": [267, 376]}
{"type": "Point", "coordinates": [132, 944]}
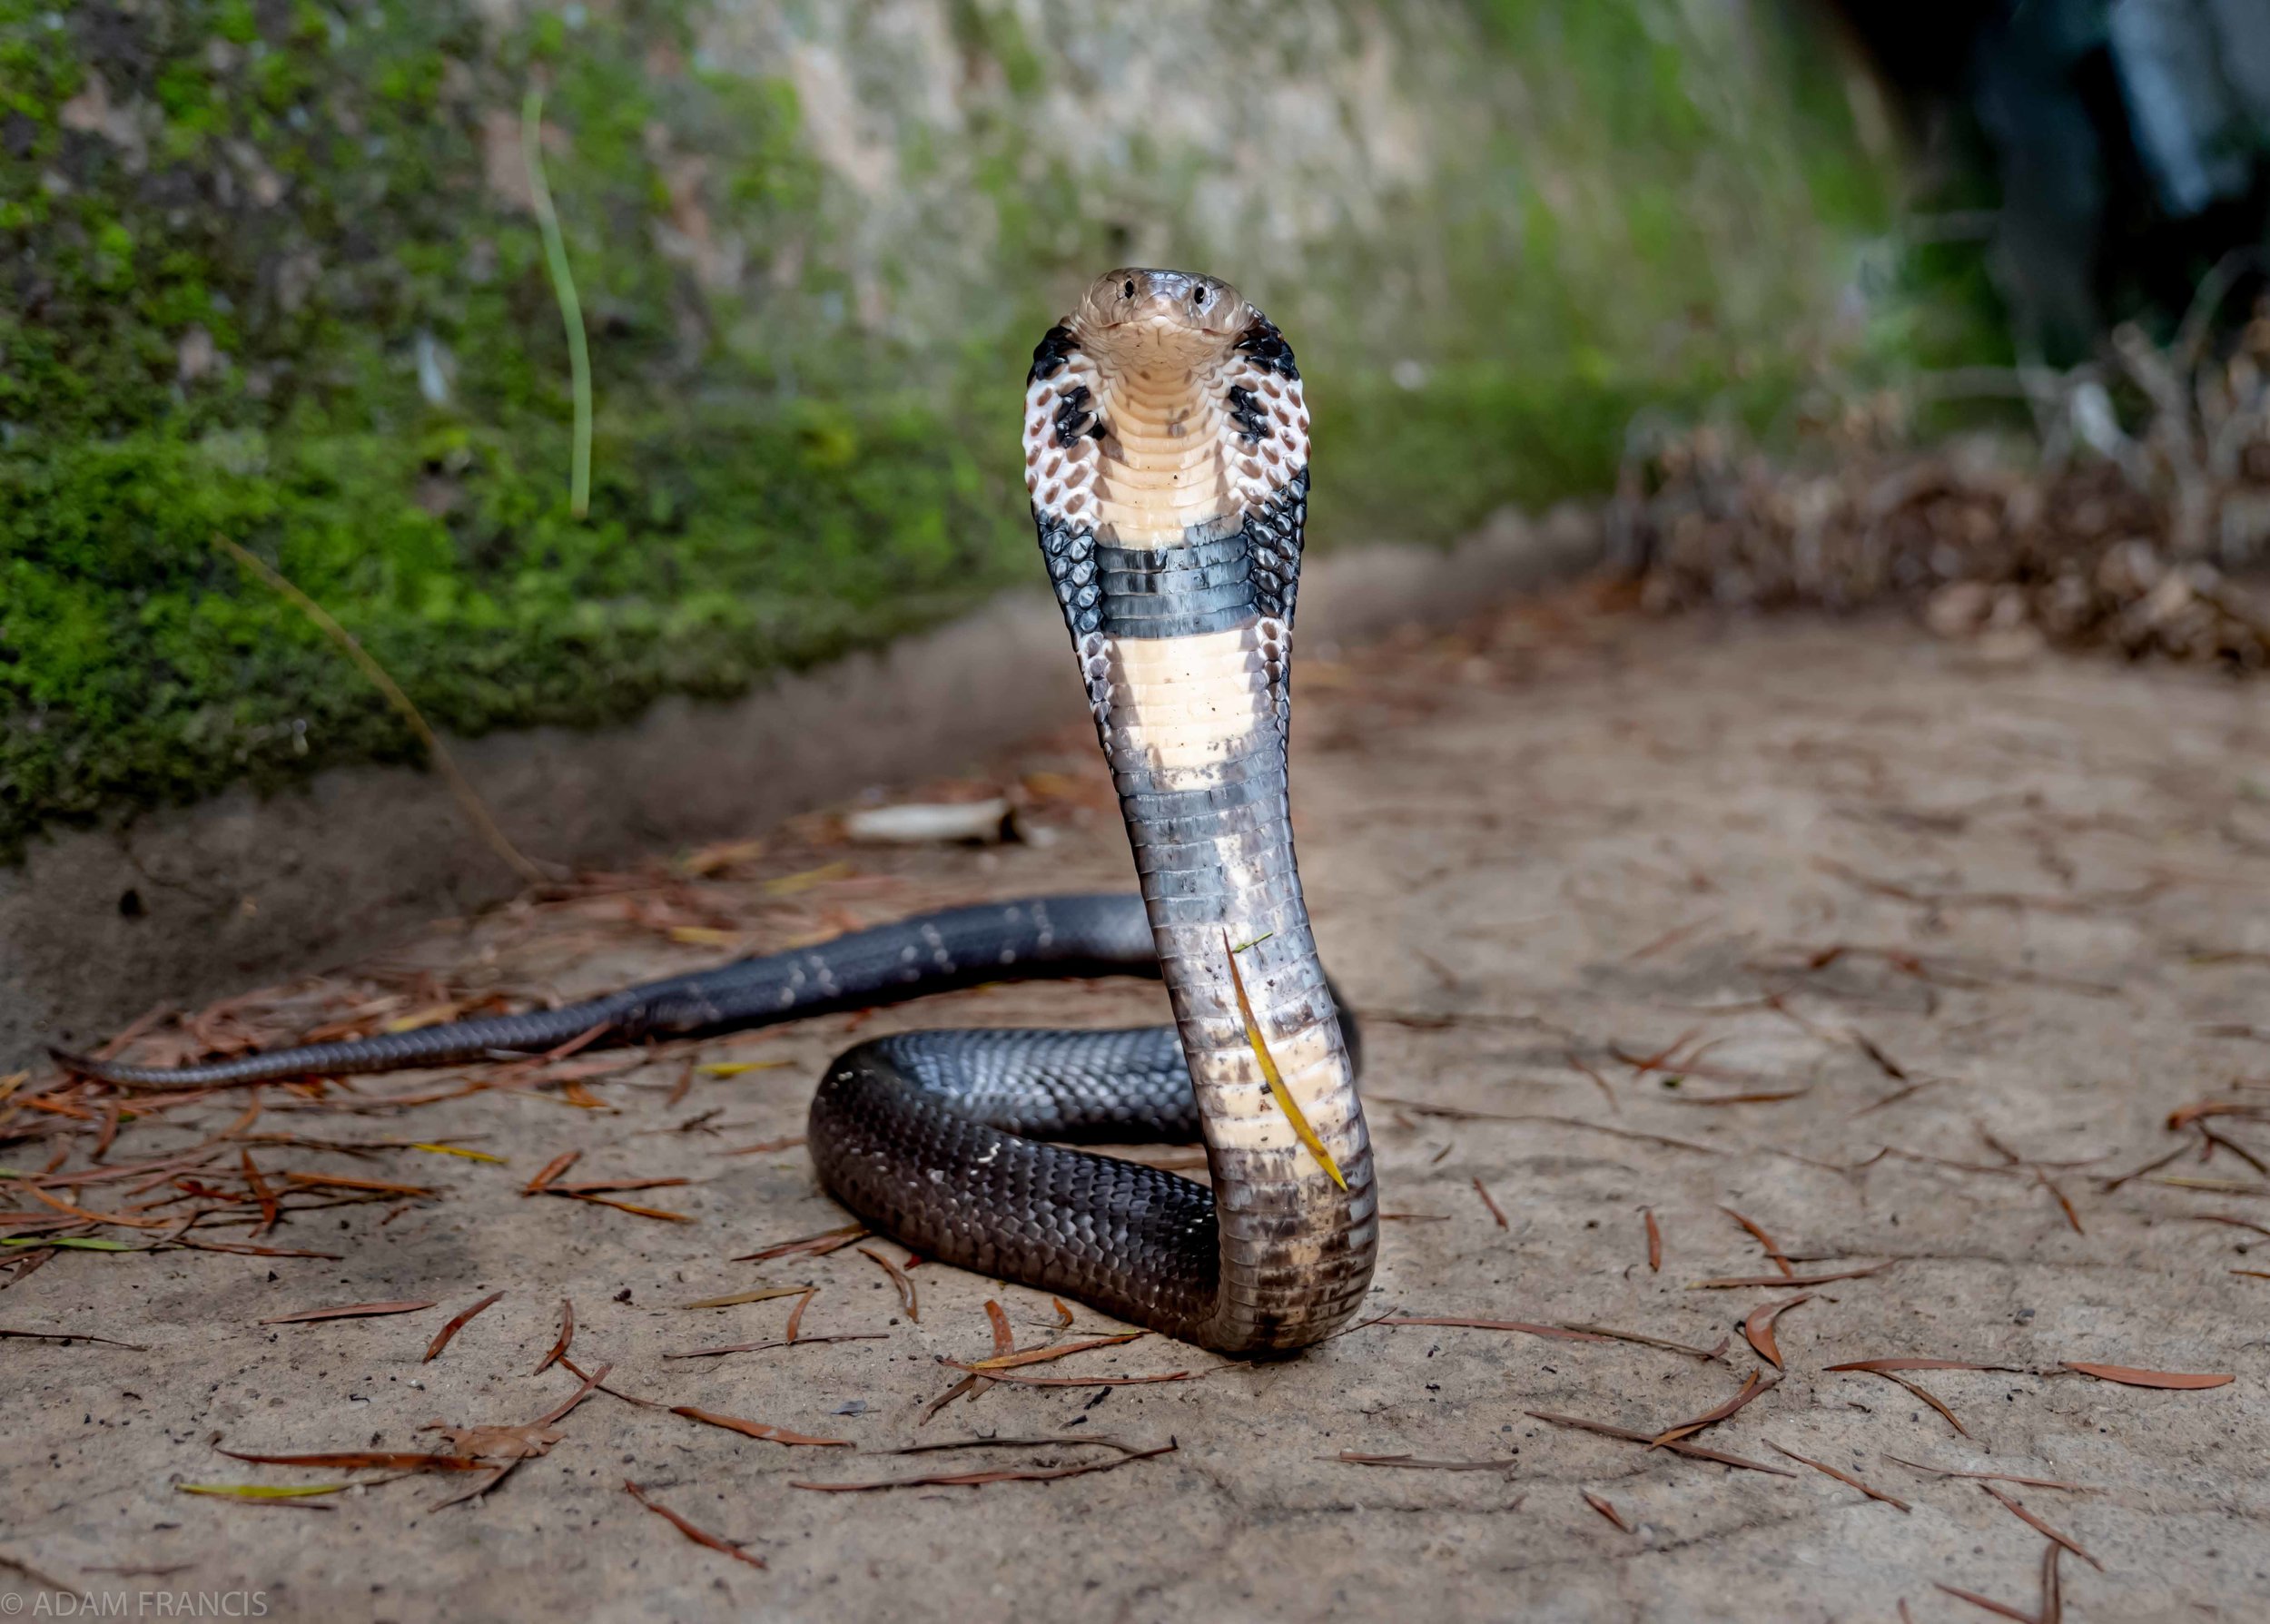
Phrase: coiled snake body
{"type": "Point", "coordinates": [1167, 456]}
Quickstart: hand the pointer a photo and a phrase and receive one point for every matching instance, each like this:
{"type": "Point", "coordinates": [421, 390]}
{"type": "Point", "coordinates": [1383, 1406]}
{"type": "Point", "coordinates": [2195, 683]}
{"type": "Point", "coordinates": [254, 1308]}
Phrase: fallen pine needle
{"type": "Point", "coordinates": [777, 1342]}
{"type": "Point", "coordinates": [1463, 1114]}
{"type": "Point", "coordinates": [2009, 1503]}
{"type": "Point", "coordinates": [1774, 1255]}
{"type": "Point", "coordinates": [1998, 1477]}
{"type": "Point", "coordinates": [898, 1279]}
{"type": "Point", "coordinates": [790, 1331]}
{"type": "Point", "coordinates": [978, 1480]}
{"type": "Point", "coordinates": [698, 1535]}
{"type": "Point", "coordinates": [765, 1147]}
{"type": "Point", "coordinates": [1695, 1450]}
{"type": "Point", "coordinates": [369, 1461]}
{"type": "Point", "coordinates": [470, 1156]}
{"type": "Point", "coordinates": [1884, 1366]}
{"type": "Point", "coordinates": [1558, 1333]}
{"type": "Point", "coordinates": [1691, 1352]}
{"type": "Point", "coordinates": [332, 1181]}
{"type": "Point", "coordinates": [349, 1311]}
{"type": "Point", "coordinates": [818, 1245]}
{"type": "Point", "coordinates": [1845, 1478]}
{"type": "Point", "coordinates": [1654, 1241]}
{"type": "Point", "coordinates": [441, 1337]}
{"type": "Point", "coordinates": [943, 1445]}
{"type": "Point", "coordinates": [1605, 1510]}
{"type": "Point", "coordinates": [1754, 1280]}
{"type": "Point", "coordinates": [757, 1429]}
{"type": "Point", "coordinates": [1020, 1380]}
{"type": "Point", "coordinates": [580, 1374]}
{"type": "Point", "coordinates": [1043, 1355]}
{"type": "Point", "coordinates": [1926, 1395]}
{"type": "Point", "coordinates": [631, 1207]}
{"type": "Point", "coordinates": [1278, 1091]}
{"type": "Point", "coordinates": [1496, 1212]}
{"type": "Point", "coordinates": [566, 1335]}
{"type": "Point", "coordinates": [1751, 1388]}
{"type": "Point", "coordinates": [551, 1170]}
{"type": "Point", "coordinates": [1413, 1464]}
{"type": "Point", "coordinates": [1987, 1602]}
{"type": "Point", "coordinates": [73, 1337]}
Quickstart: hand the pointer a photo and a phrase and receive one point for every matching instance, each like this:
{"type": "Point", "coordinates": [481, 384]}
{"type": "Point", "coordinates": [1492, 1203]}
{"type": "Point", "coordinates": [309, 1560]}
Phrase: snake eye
{"type": "Point", "coordinates": [1198, 299]}
{"type": "Point", "coordinates": [1129, 290]}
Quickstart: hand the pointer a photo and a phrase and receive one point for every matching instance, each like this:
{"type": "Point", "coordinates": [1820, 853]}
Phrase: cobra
{"type": "Point", "coordinates": [1166, 449]}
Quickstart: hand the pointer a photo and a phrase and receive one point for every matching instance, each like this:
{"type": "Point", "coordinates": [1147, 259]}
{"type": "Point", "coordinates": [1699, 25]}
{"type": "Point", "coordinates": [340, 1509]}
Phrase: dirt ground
{"type": "Point", "coordinates": [1905, 951]}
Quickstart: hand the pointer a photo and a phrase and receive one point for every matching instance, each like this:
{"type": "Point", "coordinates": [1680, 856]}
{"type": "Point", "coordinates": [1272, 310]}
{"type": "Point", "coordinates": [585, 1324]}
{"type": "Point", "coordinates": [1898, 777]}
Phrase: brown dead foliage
{"type": "Point", "coordinates": [700, 1536]}
{"type": "Point", "coordinates": [979, 1479]}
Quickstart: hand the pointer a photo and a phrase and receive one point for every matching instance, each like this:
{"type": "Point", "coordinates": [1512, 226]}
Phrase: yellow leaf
{"type": "Point", "coordinates": [711, 860]}
{"type": "Point", "coordinates": [762, 1295]}
{"type": "Point", "coordinates": [423, 1018]}
{"type": "Point", "coordinates": [702, 936]}
{"type": "Point", "coordinates": [1283, 1096]}
{"type": "Point", "coordinates": [789, 884]}
{"type": "Point", "coordinates": [262, 1490]}
{"type": "Point", "coordinates": [470, 1156]}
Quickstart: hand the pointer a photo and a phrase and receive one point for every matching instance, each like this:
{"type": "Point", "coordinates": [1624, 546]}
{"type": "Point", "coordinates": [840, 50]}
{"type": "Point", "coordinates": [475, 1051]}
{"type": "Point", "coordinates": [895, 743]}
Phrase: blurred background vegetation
{"type": "Point", "coordinates": [274, 275]}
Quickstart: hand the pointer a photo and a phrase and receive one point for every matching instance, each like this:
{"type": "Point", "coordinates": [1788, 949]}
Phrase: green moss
{"type": "Point", "coordinates": [277, 297]}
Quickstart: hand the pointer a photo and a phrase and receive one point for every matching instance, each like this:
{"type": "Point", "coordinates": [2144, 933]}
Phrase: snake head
{"type": "Point", "coordinates": [1180, 310]}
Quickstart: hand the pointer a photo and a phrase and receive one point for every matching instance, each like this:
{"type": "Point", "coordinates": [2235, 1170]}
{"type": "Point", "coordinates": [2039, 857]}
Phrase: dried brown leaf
{"type": "Point", "coordinates": [1012, 1361]}
{"type": "Point", "coordinates": [1845, 1478]}
{"type": "Point", "coordinates": [978, 1480]}
{"type": "Point", "coordinates": [2010, 1504]}
{"type": "Point", "coordinates": [758, 1429]}
{"type": "Point", "coordinates": [551, 1170]}
{"type": "Point", "coordinates": [1694, 1451]}
{"type": "Point", "coordinates": [1413, 1464]}
{"type": "Point", "coordinates": [1755, 1280]}
{"type": "Point", "coordinates": [1751, 1388]}
{"type": "Point", "coordinates": [566, 1335]}
{"type": "Point", "coordinates": [817, 1246]}
{"type": "Point", "coordinates": [1998, 1477]}
{"type": "Point", "coordinates": [2129, 1376]}
{"type": "Point", "coordinates": [1758, 1328]}
{"type": "Point", "coordinates": [1689, 1349]}
{"type": "Point", "coordinates": [1774, 1255]}
{"type": "Point", "coordinates": [348, 1311]}
{"type": "Point", "coordinates": [1490, 1202]}
{"type": "Point", "coordinates": [698, 1535]}
{"type": "Point", "coordinates": [441, 1337]}
{"type": "Point", "coordinates": [1605, 1510]}
{"type": "Point", "coordinates": [370, 1460]}
{"type": "Point", "coordinates": [2001, 1609]}
{"type": "Point", "coordinates": [1558, 1333]}
{"type": "Point", "coordinates": [898, 1279]}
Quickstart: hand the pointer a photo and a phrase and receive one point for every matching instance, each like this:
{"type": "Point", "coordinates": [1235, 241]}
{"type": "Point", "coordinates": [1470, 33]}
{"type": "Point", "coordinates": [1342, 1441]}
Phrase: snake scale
{"type": "Point", "coordinates": [1166, 450]}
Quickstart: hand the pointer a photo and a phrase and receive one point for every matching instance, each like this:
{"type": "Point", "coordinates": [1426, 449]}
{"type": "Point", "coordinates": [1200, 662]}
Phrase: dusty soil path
{"type": "Point", "coordinates": [1903, 955]}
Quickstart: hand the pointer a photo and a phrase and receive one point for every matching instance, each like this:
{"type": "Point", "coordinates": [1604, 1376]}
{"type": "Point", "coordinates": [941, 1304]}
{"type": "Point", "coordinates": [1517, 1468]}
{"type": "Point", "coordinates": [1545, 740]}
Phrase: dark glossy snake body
{"type": "Point", "coordinates": [1166, 454]}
